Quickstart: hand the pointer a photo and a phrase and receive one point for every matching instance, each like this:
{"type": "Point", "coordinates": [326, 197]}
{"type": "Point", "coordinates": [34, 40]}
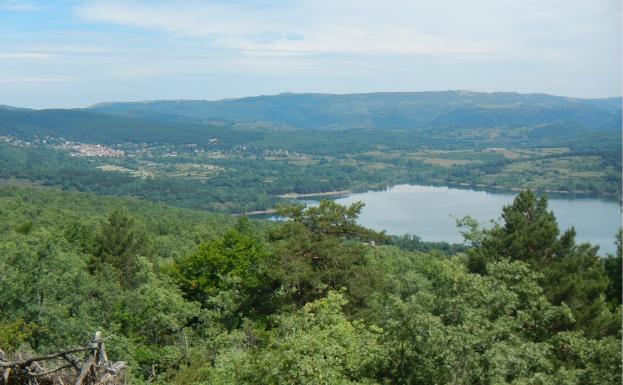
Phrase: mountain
{"type": "Point", "coordinates": [542, 117]}
{"type": "Point", "coordinates": [92, 127]}
{"type": "Point", "coordinates": [388, 110]}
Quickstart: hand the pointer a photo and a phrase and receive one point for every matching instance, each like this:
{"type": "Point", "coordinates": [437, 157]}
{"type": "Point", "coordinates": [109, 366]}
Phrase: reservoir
{"type": "Point", "coordinates": [431, 212]}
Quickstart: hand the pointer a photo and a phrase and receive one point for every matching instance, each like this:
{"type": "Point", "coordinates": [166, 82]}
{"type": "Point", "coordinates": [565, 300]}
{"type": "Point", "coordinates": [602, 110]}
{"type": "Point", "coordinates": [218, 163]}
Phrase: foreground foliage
{"type": "Point", "coordinates": [195, 298]}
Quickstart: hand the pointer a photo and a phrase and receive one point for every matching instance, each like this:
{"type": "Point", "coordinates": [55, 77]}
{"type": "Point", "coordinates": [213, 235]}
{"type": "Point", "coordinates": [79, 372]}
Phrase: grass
{"type": "Point", "coordinates": [446, 162]}
{"type": "Point", "coordinates": [135, 173]}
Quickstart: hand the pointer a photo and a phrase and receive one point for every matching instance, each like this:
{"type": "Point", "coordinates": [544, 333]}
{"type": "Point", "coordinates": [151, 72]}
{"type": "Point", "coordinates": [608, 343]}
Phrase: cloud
{"type": "Point", "coordinates": [37, 79]}
{"type": "Point", "coordinates": [18, 6]}
{"type": "Point", "coordinates": [85, 51]}
{"type": "Point", "coordinates": [489, 30]}
{"type": "Point", "coordinates": [300, 27]}
{"type": "Point", "coordinates": [19, 55]}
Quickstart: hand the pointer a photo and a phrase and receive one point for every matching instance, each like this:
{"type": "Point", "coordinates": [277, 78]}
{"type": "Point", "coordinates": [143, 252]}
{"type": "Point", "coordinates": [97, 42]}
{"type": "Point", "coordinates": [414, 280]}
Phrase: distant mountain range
{"type": "Point", "coordinates": [387, 110]}
{"type": "Point", "coordinates": [539, 116]}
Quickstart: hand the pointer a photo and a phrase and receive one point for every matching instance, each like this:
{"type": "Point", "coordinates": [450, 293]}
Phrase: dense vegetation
{"type": "Point", "coordinates": [191, 154]}
{"type": "Point", "coordinates": [191, 297]}
{"type": "Point", "coordinates": [196, 298]}
{"type": "Point", "coordinates": [91, 127]}
{"type": "Point", "coordinates": [244, 181]}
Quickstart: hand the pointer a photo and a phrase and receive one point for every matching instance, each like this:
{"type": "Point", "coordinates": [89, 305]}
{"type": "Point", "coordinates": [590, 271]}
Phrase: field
{"type": "Point", "coordinates": [235, 166]}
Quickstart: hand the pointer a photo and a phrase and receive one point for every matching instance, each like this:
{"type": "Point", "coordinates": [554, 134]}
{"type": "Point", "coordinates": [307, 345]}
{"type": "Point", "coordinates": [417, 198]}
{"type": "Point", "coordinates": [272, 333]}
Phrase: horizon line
{"type": "Point", "coordinates": [156, 100]}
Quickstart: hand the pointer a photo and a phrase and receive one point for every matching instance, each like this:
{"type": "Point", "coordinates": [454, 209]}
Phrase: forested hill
{"type": "Point", "coordinates": [87, 126]}
{"type": "Point", "coordinates": [535, 118]}
{"type": "Point", "coordinates": [390, 110]}
{"type": "Point", "coordinates": [191, 298]}
{"type": "Point", "coordinates": [500, 141]}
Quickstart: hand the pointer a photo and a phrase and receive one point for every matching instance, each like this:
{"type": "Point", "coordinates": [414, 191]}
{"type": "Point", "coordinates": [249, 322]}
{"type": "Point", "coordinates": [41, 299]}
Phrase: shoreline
{"type": "Point", "coordinates": [321, 194]}
{"type": "Point", "coordinates": [257, 212]}
{"type": "Point", "coordinates": [463, 186]}
{"type": "Point", "coordinates": [502, 189]}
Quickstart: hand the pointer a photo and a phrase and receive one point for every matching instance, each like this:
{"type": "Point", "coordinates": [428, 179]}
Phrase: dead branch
{"type": "Point", "coordinates": [93, 369]}
{"type": "Point", "coordinates": [51, 371]}
{"type": "Point", "coordinates": [85, 370]}
{"type": "Point", "coordinates": [24, 363]}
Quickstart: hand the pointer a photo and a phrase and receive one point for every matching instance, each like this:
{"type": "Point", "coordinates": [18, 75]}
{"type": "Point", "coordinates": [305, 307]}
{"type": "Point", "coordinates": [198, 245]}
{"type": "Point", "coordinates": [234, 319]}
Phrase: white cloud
{"type": "Point", "coordinates": [303, 27]}
{"type": "Point", "coordinates": [142, 49]}
{"type": "Point", "coordinates": [18, 6]}
{"type": "Point", "coordinates": [19, 55]}
{"type": "Point", "coordinates": [37, 79]}
{"type": "Point", "coordinates": [488, 29]}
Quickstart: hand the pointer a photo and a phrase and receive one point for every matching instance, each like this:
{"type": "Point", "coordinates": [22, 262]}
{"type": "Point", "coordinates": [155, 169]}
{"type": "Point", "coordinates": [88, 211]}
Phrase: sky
{"type": "Point", "coordinates": [71, 53]}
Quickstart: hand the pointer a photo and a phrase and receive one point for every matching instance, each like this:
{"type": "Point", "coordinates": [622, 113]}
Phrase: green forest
{"type": "Point", "coordinates": [311, 192]}
{"type": "Point", "coordinates": [251, 177]}
{"type": "Point", "coordinates": [192, 297]}
{"type": "Point", "coordinates": [117, 219]}
{"type": "Point", "coordinates": [241, 155]}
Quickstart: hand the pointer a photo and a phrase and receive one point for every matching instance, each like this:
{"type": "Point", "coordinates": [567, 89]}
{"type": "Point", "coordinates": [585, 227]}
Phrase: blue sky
{"type": "Point", "coordinates": [71, 53]}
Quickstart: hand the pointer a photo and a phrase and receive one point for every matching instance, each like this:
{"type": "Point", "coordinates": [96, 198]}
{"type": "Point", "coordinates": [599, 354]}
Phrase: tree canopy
{"type": "Point", "coordinates": [197, 298]}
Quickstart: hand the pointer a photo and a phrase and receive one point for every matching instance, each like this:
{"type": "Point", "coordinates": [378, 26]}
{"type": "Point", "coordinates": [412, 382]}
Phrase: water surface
{"type": "Point", "coordinates": [430, 212]}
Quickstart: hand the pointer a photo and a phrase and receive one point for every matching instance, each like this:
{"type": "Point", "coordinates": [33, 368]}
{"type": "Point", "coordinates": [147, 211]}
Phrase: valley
{"type": "Point", "coordinates": [311, 192]}
{"type": "Point", "coordinates": [254, 175]}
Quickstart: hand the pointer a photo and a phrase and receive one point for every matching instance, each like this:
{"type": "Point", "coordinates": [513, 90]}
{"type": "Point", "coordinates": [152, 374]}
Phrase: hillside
{"type": "Point", "coordinates": [188, 297]}
{"type": "Point", "coordinates": [390, 110]}
{"type": "Point", "coordinates": [501, 140]}
{"type": "Point", "coordinates": [438, 118]}
{"type": "Point", "coordinates": [93, 127]}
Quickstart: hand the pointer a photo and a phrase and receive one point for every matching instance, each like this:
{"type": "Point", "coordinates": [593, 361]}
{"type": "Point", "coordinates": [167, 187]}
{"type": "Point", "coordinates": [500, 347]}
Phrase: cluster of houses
{"type": "Point", "coordinates": [88, 150]}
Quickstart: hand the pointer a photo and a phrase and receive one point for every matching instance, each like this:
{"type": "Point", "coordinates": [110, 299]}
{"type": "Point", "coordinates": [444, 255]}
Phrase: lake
{"type": "Point", "coordinates": [430, 212]}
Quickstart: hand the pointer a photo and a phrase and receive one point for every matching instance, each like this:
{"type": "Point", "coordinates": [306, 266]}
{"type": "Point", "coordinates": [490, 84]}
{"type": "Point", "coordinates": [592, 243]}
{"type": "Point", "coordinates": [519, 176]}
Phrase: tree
{"type": "Point", "coordinates": [529, 232]}
{"type": "Point", "coordinates": [321, 249]}
{"type": "Point", "coordinates": [228, 266]}
{"type": "Point", "coordinates": [37, 272]}
{"type": "Point", "coordinates": [613, 267]}
{"type": "Point", "coordinates": [119, 242]}
{"type": "Point", "coordinates": [331, 219]}
{"type": "Point", "coordinates": [155, 316]}
{"type": "Point", "coordinates": [316, 345]}
{"type": "Point", "coordinates": [443, 325]}
{"type": "Point", "coordinates": [570, 273]}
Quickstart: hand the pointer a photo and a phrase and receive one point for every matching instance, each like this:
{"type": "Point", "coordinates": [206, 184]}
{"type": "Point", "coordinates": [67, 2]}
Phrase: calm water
{"type": "Point", "coordinates": [430, 212]}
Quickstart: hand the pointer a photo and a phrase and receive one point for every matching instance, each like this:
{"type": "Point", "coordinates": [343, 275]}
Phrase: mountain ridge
{"type": "Point", "coordinates": [150, 101]}
{"type": "Point", "coordinates": [386, 109]}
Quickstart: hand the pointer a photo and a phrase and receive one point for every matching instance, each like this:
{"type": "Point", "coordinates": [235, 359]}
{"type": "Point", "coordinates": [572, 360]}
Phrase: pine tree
{"type": "Point", "coordinates": [570, 273]}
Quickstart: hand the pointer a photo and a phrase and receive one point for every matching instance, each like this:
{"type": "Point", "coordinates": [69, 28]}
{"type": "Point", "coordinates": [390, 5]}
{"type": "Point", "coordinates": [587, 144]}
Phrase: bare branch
{"type": "Point", "coordinates": [27, 362]}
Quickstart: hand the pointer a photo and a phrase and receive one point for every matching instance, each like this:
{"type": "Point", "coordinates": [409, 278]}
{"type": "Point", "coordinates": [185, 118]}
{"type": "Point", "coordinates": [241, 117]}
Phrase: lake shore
{"type": "Point", "coordinates": [321, 194]}
{"type": "Point", "coordinates": [462, 186]}
{"type": "Point", "coordinates": [257, 212]}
